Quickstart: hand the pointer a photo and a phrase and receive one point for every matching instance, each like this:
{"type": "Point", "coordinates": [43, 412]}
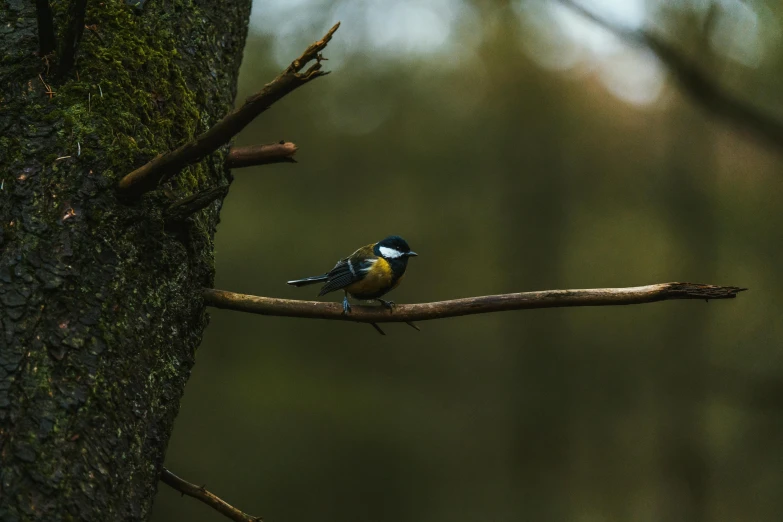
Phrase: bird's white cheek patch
{"type": "Point", "coordinates": [389, 252]}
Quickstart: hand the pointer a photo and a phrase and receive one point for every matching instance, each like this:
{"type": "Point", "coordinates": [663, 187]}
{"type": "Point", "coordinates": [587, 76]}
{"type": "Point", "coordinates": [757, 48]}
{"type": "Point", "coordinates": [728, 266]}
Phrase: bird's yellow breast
{"type": "Point", "coordinates": [378, 280]}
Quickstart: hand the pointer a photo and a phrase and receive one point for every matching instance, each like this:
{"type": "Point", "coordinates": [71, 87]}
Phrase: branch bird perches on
{"type": "Point", "coordinates": [694, 81]}
{"type": "Point", "coordinates": [467, 306]}
{"type": "Point", "coordinates": [163, 167]}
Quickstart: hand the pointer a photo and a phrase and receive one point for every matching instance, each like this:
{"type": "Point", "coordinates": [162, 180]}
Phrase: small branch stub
{"type": "Point", "coordinates": [282, 152]}
{"type": "Point", "coordinates": [210, 499]}
{"type": "Point", "coordinates": [467, 306]}
{"type": "Point", "coordinates": [181, 210]}
{"type": "Point", "coordinates": [162, 167]}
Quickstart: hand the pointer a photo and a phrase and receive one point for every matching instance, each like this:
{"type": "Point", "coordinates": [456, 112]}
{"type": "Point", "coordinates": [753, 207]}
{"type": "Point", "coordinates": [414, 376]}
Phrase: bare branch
{"type": "Point", "coordinates": [469, 305]}
{"type": "Point", "coordinates": [694, 82]}
{"type": "Point", "coordinates": [164, 166]}
{"type": "Point", "coordinates": [182, 209]}
{"type": "Point", "coordinates": [73, 34]}
{"type": "Point", "coordinates": [47, 40]}
{"type": "Point", "coordinates": [200, 493]}
{"type": "Point", "coordinates": [281, 152]}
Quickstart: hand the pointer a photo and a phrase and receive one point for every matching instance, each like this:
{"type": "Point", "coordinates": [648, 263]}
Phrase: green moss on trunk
{"type": "Point", "coordinates": [100, 313]}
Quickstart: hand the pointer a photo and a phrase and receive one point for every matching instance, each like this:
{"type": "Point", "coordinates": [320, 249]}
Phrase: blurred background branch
{"type": "Point", "coordinates": [694, 81]}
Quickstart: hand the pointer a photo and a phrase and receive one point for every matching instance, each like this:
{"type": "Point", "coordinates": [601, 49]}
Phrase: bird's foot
{"type": "Point", "coordinates": [386, 304]}
{"type": "Point", "coordinates": [346, 306]}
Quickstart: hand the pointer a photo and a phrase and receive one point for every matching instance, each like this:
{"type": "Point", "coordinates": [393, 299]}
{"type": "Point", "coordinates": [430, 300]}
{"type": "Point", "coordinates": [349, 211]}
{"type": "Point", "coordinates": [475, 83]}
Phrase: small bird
{"type": "Point", "coordinates": [367, 274]}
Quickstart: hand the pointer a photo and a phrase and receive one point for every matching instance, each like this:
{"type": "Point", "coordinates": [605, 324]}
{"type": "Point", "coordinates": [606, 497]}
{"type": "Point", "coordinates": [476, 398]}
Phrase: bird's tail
{"type": "Point", "coordinates": [309, 280]}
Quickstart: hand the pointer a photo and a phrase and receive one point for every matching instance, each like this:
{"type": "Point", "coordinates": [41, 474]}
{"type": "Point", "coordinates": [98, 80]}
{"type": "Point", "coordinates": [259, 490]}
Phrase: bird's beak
{"type": "Point", "coordinates": [412, 254]}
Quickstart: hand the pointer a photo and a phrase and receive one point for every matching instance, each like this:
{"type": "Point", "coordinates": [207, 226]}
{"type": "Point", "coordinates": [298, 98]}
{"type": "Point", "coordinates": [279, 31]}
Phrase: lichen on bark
{"type": "Point", "coordinates": [100, 309]}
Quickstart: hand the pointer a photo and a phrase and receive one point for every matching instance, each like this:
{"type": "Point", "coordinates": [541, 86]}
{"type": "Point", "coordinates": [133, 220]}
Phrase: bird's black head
{"type": "Point", "coordinates": [393, 247]}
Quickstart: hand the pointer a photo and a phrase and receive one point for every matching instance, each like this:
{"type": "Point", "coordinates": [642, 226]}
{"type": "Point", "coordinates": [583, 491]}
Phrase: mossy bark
{"type": "Point", "coordinates": [100, 310]}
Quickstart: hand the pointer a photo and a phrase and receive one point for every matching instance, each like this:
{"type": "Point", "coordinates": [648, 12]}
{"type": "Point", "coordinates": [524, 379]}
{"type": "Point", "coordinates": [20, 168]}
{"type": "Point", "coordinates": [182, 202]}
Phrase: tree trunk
{"type": "Point", "coordinates": [100, 306]}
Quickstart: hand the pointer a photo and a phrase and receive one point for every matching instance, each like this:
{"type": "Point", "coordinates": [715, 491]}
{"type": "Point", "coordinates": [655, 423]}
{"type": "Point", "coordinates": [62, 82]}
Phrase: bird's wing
{"type": "Point", "coordinates": [340, 276]}
{"type": "Point", "coordinates": [349, 270]}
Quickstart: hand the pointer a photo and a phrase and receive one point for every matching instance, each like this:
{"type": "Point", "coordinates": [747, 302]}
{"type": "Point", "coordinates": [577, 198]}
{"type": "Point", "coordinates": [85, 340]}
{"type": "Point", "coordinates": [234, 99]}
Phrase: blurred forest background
{"type": "Point", "coordinates": [516, 146]}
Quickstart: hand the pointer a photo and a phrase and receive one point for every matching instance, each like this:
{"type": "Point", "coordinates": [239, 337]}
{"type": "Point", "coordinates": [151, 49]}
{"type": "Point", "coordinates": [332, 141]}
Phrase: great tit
{"type": "Point", "coordinates": [367, 274]}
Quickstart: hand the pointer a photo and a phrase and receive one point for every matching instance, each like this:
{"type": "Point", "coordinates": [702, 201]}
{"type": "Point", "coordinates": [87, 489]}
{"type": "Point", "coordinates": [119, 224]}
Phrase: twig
{"type": "Point", "coordinates": [159, 169]}
{"type": "Point", "coordinates": [200, 493]}
{"type": "Point", "coordinates": [48, 87]}
{"type": "Point", "coordinates": [47, 40]}
{"type": "Point", "coordinates": [73, 34]}
{"type": "Point", "coordinates": [181, 210]}
{"type": "Point", "coordinates": [281, 152]}
{"type": "Point", "coordinates": [694, 81]}
{"type": "Point", "coordinates": [469, 305]}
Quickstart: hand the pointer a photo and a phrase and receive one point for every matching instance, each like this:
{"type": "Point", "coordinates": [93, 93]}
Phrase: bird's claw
{"type": "Point", "coordinates": [389, 305]}
{"type": "Point", "coordinates": [346, 306]}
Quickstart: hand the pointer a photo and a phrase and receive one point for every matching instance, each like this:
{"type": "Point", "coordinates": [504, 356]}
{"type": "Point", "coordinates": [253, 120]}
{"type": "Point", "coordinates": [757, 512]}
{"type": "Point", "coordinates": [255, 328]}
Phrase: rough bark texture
{"type": "Point", "coordinates": [100, 304]}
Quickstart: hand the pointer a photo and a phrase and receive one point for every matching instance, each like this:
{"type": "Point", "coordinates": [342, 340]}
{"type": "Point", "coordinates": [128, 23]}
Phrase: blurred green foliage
{"type": "Point", "coordinates": [504, 176]}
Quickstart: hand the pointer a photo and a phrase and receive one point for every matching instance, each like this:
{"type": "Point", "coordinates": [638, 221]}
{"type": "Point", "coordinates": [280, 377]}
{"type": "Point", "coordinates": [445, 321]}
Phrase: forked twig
{"type": "Point", "coordinates": [162, 167]}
